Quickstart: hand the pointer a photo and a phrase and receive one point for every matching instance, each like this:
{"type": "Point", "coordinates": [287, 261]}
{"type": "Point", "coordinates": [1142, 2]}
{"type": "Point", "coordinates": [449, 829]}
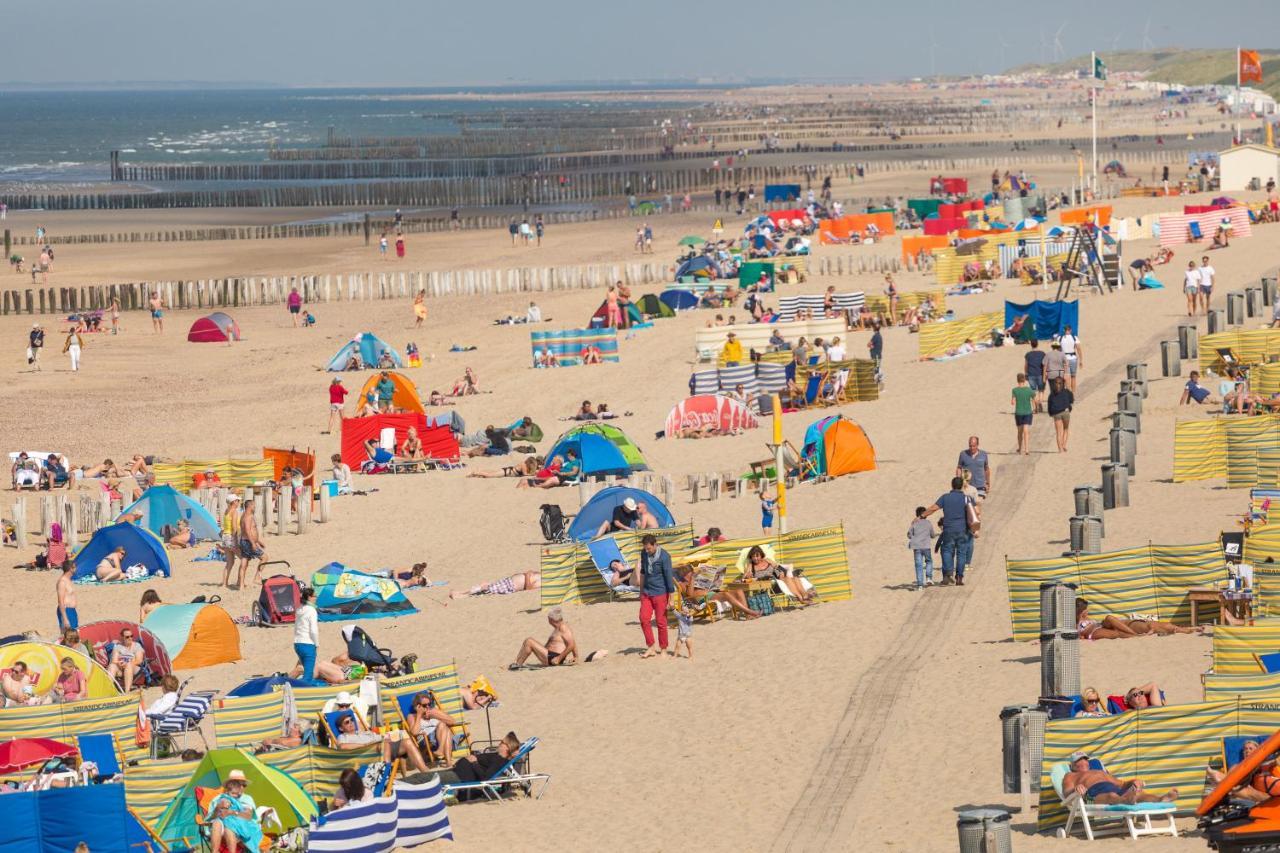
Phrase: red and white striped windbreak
{"type": "Point", "coordinates": [710, 410]}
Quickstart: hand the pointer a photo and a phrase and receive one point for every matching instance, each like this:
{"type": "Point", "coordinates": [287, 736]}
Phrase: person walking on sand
{"type": "Point", "coordinates": [1191, 287]}
{"type": "Point", "coordinates": [157, 312]}
{"type": "Point", "coordinates": [72, 347]}
{"type": "Point", "coordinates": [955, 541]}
{"type": "Point", "coordinates": [1060, 402]}
{"type": "Point", "coordinates": [337, 399]}
{"type": "Point", "coordinates": [230, 537]}
{"type": "Point", "coordinates": [1023, 400]}
{"type": "Point", "coordinates": [1033, 366]}
{"type": "Point", "coordinates": [251, 547]}
{"type": "Point", "coordinates": [35, 343]}
{"type": "Point", "coordinates": [657, 585]}
{"type": "Point", "coordinates": [65, 589]}
{"type": "Point", "coordinates": [974, 460]}
{"type": "Point", "coordinates": [920, 540]}
{"type": "Point", "coordinates": [1207, 274]}
{"type": "Point", "coordinates": [420, 308]}
{"type": "Point", "coordinates": [115, 316]}
{"type": "Point", "coordinates": [295, 304]}
{"type": "Point", "coordinates": [382, 245]}
{"type": "Point", "coordinates": [1074, 355]}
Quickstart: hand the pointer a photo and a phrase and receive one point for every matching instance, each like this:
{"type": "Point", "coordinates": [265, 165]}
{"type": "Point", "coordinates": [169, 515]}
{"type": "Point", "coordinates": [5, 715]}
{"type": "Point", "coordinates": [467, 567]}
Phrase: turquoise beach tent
{"type": "Point", "coordinates": [343, 593]}
{"type": "Point", "coordinates": [598, 455]}
{"type": "Point", "coordinates": [165, 506]}
{"type": "Point", "coordinates": [141, 547]}
{"type": "Point", "coordinates": [370, 349]}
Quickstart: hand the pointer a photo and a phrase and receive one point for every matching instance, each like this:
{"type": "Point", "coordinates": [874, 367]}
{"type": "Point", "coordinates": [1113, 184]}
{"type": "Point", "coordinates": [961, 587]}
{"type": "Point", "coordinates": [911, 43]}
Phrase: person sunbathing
{"type": "Point", "coordinates": [438, 399]}
{"type": "Point", "coordinates": [182, 537]}
{"type": "Point", "coordinates": [1091, 704]}
{"type": "Point", "coordinates": [1113, 627]}
{"type": "Point", "coordinates": [1258, 788]}
{"type": "Point", "coordinates": [735, 599]}
{"type": "Point", "coordinates": [621, 574]}
{"type": "Point", "coordinates": [412, 447]}
{"type": "Point", "coordinates": [416, 576]}
{"type": "Point", "coordinates": [528, 468]}
{"type": "Point", "coordinates": [377, 456]}
{"type": "Point", "coordinates": [1099, 786]}
{"type": "Point", "coordinates": [16, 686]}
{"type": "Point", "coordinates": [559, 647]}
{"type": "Point", "coordinates": [127, 656]}
{"type": "Point", "coordinates": [287, 741]}
{"type": "Point", "coordinates": [584, 413]}
{"type": "Point", "coordinates": [760, 567]}
{"type": "Point", "coordinates": [519, 582]}
{"type": "Point", "coordinates": [350, 737]}
{"type": "Point", "coordinates": [333, 672]}
{"type": "Point", "coordinates": [109, 568]}
{"type": "Point", "coordinates": [467, 385]}
{"type": "Point", "coordinates": [556, 474]}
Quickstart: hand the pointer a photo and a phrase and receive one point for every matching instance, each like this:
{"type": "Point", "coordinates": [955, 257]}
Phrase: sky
{"type": "Point", "coordinates": [435, 43]}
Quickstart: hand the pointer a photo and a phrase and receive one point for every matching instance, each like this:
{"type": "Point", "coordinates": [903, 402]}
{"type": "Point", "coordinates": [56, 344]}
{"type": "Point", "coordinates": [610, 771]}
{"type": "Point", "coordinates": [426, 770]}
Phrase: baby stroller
{"type": "Point", "coordinates": [280, 598]}
{"type": "Point", "coordinates": [362, 649]}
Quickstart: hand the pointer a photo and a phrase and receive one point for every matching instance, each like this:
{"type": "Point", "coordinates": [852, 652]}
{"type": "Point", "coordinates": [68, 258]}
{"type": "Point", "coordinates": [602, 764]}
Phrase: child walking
{"type": "Point", "coordinates": [920, 540]}
{"type": "Point", "coordinates": [767, 505]}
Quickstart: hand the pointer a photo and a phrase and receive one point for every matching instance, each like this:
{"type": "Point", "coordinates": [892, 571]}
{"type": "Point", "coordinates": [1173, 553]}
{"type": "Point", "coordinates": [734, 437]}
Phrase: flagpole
{"type": "Point", "coordinates": [1235, 108]}
{"type": "Point", "coordinates": [1093, 93]}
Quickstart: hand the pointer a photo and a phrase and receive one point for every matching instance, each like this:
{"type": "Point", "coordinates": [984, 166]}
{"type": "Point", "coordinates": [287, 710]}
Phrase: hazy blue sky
{"type": "Point", "coordinates": [428, 42]}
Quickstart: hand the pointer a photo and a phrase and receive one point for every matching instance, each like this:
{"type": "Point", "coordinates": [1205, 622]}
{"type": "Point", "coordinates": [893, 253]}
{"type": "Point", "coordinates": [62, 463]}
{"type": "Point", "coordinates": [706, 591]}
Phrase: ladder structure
{"type": "Point", "coordinates": [1091, 262]}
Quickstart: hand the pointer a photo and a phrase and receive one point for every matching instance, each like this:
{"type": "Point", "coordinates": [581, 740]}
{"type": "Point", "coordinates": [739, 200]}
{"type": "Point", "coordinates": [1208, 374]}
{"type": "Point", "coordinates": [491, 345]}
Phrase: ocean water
{"type": "Point", "coordinates": [68, 135]}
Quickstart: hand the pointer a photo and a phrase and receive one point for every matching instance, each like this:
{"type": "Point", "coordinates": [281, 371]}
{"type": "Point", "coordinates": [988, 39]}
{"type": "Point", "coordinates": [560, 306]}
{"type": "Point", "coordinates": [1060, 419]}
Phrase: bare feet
{"type": "Point", "coordinates": [1171, 796]}
{"type": "Point", "coordinates": [650, 652]}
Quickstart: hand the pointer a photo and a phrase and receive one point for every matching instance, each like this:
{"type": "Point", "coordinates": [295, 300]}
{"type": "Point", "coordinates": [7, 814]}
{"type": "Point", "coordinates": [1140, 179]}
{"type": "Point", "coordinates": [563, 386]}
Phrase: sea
{"type": "Point", "coordinates": [67, 136]}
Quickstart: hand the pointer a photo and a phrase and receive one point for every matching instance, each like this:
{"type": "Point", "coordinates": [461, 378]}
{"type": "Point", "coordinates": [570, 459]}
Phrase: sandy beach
{"type": "Point", "coordinates": [858, 725]}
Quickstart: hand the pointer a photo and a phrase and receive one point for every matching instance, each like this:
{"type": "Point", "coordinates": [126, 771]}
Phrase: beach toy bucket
{"type": "Point", "coordinates": [1057, 606]}
{"type": "Point", "coordinates": [1170, 361]}
{"type": "Point", "coordinates": [1019, 724]}
{"type": "Point", "coordinates": [1059, 664]}
{"type": "Point", "coordinates": [984, 831]}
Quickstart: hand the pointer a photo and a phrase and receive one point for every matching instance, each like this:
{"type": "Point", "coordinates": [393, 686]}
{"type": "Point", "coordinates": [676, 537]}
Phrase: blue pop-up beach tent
{"type": "Point", "coordinates": [597, 454]}
{"type": "Point", "coordinates": [600, 509]}
{"type": "Point", "coordinates": [1049, 318]}
{"type": "Point", "coordinates": [370, 347]}
{"type": "Point", "coordinates": [141, 547]}
{"type": "Point", "coordinates": [165, 506]}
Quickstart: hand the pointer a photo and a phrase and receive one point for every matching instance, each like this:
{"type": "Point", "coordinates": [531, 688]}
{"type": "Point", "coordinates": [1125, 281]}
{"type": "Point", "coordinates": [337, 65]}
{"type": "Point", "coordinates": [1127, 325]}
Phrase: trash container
{"type": "Point", "coordinates": [984, 831]}
{"type": "Point", "coordinates": [1015, 720]}
{"type": "Point", "coordinates": [1170, 364]}
{"type": "Point", "coordinates": [1115, 485]}
{"type": "Point", "coordinates": [1060, 663]}
{"type": "Point", "coordinates": [1057, 606]}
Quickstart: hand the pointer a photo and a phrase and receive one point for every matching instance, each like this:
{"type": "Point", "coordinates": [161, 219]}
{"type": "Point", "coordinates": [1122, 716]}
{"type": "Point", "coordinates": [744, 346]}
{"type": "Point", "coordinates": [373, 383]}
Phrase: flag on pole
{"type": "Point", "coordinates": [1099, 68]}
{"type": "Point", "coordinates": [1250, 67]}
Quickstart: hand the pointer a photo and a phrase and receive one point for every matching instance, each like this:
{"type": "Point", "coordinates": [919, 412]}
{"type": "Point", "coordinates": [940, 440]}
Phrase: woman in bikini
{"type": "Point", "coordinates": [412, 447]}
{"type": "Point", "coordinates": [760, 567]}
{"type": "Point", "coordinates": [528, 468]}
{"type": "Point", "coordinates": [1116, 628]}
{"type": "Point", "coordinates": [519, 582]}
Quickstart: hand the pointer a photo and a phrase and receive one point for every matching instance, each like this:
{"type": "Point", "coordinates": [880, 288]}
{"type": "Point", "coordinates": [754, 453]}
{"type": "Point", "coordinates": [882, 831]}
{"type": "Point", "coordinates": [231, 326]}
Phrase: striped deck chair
{"type": "Point", "coordinates": [430, 741]}
{"type": "Point", "coordinates": [183, 718]}
{"type": "Point", "coordinates": [603, 552]}
{"type": "Point", "coordinates": [514, 774]}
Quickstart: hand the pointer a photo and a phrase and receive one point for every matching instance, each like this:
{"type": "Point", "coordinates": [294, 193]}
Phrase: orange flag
{"type": "Point", "coordinates": [1250, 67]}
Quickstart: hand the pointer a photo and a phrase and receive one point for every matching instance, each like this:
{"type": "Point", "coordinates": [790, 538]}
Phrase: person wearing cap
{"type": "Point", "coordinates": [337, 397]}
{"type": "Point", "coordinates": [230, 537]}
{"type": "Point", "coordinates": [232, 816]}
{"type": "Point", "coordinates": [1099, 786]}
{"type": "Point", "coordinates": [732, 351]}
{"type": "Point", "coordinates": [35, 343]}
{"type": "Point", "coordinates": [1055, 363]}
{"type": "Point", "coordinates": [626, 516]}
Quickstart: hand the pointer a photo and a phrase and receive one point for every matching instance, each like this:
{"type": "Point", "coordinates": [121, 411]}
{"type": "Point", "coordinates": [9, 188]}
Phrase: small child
{"type": "Point", "coordinates": [308, 320]}
{"type": "Point", "coordinates": [767, 505]}
{"type": "Point", "coordinates": [920, 540]}
{"type": "Point", "coordinates": [684, 632]}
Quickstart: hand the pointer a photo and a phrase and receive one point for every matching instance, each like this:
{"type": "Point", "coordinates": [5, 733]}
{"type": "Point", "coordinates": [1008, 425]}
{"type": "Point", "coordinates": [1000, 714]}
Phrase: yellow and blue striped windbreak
{"type": "Point", "coordinates": [1166, 747]}
{"type": "Point", "coordinates": [567, 345]}
{"type": "Point", "coordinates": [1251, 346]}
{"type": "Point", "coordinates": [1149, 579]}
{"type": "Point", "coordinates": [115, 715]}
{"type": "Point", "coordinates": [150, 786]}
{"type": "Point", "coordinates": [1235, 449]}
{"type": "Point", "coordinates": [878, 303]}
{"type": "Point", "coordinates": [1265, 378]}
{"type": "Point", "coordinates": [937, 338]}
{"type": "Point", "coordinates": [1249, 686]}
{"type": "Point", "coordinates": [316, 768]}
{"type": "Point", "coordinates": [234, 473]}
{"type": "Point", "coordinates": [569, 576]}
{"type": "Point", "coordinates": [1235, 647]}
{"type": "Point", "coordinates": [246, 721]}
{"type": "Point", "coordinates": [948, 266]}
{"type": "Point", "coordinates": [441, 680]}
{"type": "Point", "coordinates": [1268, 497]}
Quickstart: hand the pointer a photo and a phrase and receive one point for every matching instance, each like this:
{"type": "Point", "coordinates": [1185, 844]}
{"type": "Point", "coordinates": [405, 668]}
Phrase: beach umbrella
{"type": "Point", "coordinates": [691, 240]}
{"type": "Point", "coordinates": [24, 752]}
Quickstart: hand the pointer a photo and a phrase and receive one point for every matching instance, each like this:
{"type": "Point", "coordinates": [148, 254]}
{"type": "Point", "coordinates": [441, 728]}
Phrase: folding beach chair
{"type": "Point", "coordinates": [1268, 662]}
{"type": "Point", "coordinates": [793, 459]}
{"type": "Point", "coordinates": [603, 552]}
{"type": "Point", "coordinates": [516, 772]}
{"type": "Point", "coordinates": [184, 718]}
{"type": "Point", "coordinates": [813, 388]}
{"type": "Point", "coordinates": [1194, 234]}
{"type": "Point", "coordinates": [1087, 814]}
{"type": "Point", "coordinates": [330, 719]}
{"type": "Point", "coordinates": [461, 731]}
{"type": "Point", "coordinates": [99, 758]}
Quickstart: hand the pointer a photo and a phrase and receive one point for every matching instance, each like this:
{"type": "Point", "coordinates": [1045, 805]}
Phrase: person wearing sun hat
{"type": "Point", "coordinates": [626, 516]}
{"type": "Point", "coordinates": [233, 815]}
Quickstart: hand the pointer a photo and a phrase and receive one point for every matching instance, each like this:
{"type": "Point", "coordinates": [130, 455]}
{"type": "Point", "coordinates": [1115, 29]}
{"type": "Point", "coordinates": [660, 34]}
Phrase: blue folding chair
{"type": "Point", "coordinates": [1193, 228]}
{"type": "Point", "coordinates": [1269, 662]}
{"type": "Point", "coordinates": [515, 772]}
{"type": "Point", "coordinates": [603, 552]}
{"type": "Point", "coordinates": [100, 750]}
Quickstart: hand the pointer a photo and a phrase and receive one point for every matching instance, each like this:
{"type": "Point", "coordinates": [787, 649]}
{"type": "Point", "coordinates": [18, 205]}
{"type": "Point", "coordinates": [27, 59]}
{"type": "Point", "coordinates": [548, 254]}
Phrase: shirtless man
{"type": "Point", "coordinates": [558, 648]}
{"type": "Point", "coordinates": [251, 546]}
{"type": "Point", "coordinates": [1099, 786]}
{"type": "Point", "coordinates": [518, 582]}
{"type": "Point", "coordinates": [15, 684]}
{"type": "Point", "coordinates": [157, 312]}
{"type": "Point", "coordinates": [66, 590]}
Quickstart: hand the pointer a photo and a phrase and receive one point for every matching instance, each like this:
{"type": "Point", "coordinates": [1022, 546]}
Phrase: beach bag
{"type": "Point", "coordinates": [552, 522]}
{"type": "Point", "coordinates": [760, 602]}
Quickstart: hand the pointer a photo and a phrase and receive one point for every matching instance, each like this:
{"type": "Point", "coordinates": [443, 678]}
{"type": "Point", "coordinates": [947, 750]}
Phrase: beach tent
{"type": "Point", "coordinates": [601, 506]}
{"type": "Point", "coordinates": [141, 548]}
{"type": "Point", "coordinates": [268, 786]}
{"type": "Point", "coordinates": [259, 685]}
{"type": "Point", "coordinates": [196, 635]}
{"type": "Point", "coordinates": [165, 506]}
{"type": "Point", "coordinates": [405, 396]}
{"type": "Point", "coordinates": [216, 328]}
{"type": "Point", "coordinates": [749, 273]}
{"type": "Point", "coordinates": [44, 660]}
{"type": "Point", "coordinates": [710, 410]}
{"type": "Point", "coordinates": [602, 314]}
{"type": "Point", "coordinates": [597, 454]}
{"type": "Point", "coordinates": [343, 593]}
{"type": "Point", "coordinates": [652, 306]}
{"type": "Point", "coordinates": [837, 446]}
{"type": "Point", "coordinates": [369, 347]}
{"type": "Point", "coordinates": [99, 634]}
{"type": "Point", "coordinates": [679, 300]}
{"type": "Point", "coordinates": [701, 266]}
{"type": "Point", "coordinates": [438, 442]}
{"type": "Point", "coordinates": [305, 460]}
{"type": "Point", "coordinates": [631, 453]}
{"type": "Point", "coordinates": [1049, 318]}
{"type": "Point", "coordinates": [57, 819]}
{"type": "Point", "coordinates": [781, 192]}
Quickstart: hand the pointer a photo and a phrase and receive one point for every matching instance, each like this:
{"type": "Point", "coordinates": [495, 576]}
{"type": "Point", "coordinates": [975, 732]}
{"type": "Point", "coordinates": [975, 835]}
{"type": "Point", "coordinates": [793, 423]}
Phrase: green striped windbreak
{"type": "Point", "coordinates": [1253, 686]}
{"type": "Point", "coordinates": [1166, 747]}
{"type": "Point", "coordinates": [569, 576]}
{"type": "Point", "coordinates": [1244, 450]}
{"type": "Point", "coordinates": [1151, 579]}
{"type": "Point", "coordinates": [1234, 647]}
{"type": "Point", "coordinates": [115, 715]}
{"type": "Point", "coordinates": [937, 338]}
{"type": "Point", "coordinates": [1251, 346]}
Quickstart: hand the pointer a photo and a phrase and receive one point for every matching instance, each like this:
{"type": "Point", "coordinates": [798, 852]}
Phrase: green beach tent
{"type": "Point", "coordinates": [631, 453]}
{"type": "Point", "coordinates": [267, 786]}
{"type": "Point", "coordinates": [651, 306]}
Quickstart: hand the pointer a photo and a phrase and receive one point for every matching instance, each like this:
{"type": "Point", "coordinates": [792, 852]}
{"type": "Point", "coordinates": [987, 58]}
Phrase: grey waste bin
{"type": "Point", "coordinates": [1134, 386]}
{"type": "Point", "coordinates": [1086, 534]}
{"type": "Point", "coordinates": [1057, 606]}
{"type": "Point", "coordinates": [1217, 320]}
{"type": "Point", "coordinates": [1124, 449]}
{"type": "Point", "coordinates": [1253, 301]}
{"type": "Point", "coordinates": [1129, 401]}
{"type": "Point", "coordinates": [1268, 290]}
{"type": "Point", "coordinates": [1115, 485]}
{"type": "Point", "coordinates": [984, 831]}
{"type": "Point", "coordinates": [1235, 308]}
{"type": "Point", "coordinates": [1014, 720]}
{"type": "Point", "coordinates": [1060, 663]}
{"type": "Point", "coordinates": [1188, 341]}
{"type": "Point", "coordinates": [1127, 420]}
{"type": "Point", "coordinates": [1170, 363]}
{"type": "Point", "coordinates": [1137, 370]}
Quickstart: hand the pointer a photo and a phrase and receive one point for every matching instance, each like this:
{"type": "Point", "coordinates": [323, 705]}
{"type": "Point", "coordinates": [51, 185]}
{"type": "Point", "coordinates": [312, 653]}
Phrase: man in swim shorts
{"type": "Point", "coordinates": [1099, 786]}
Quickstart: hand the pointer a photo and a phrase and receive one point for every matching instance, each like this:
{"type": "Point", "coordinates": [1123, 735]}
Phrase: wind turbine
{"type": "Point", "coordinates": [1003, 44]}
{"type": "Point", "coordinates": [1147, 43]}
{"type": "Point", "coordinates": [1059, 53]}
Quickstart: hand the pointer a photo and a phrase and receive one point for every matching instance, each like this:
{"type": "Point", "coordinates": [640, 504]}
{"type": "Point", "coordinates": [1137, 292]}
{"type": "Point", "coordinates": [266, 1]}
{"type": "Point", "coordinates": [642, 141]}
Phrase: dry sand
{"type": "Point", "coordinates": [851, 726]}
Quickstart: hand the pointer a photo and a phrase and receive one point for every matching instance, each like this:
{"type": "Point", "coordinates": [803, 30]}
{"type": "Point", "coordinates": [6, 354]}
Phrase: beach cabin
{"type": "Point", "coordinates": [1243, 163]}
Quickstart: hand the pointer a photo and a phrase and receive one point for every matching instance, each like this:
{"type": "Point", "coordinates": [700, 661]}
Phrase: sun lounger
{"type": "Point", "coordinates": [508, 775]}
{"type": "Point", "coordinates": [1087, 814]}
{"type": "Point", "coordinates": [604, 551]}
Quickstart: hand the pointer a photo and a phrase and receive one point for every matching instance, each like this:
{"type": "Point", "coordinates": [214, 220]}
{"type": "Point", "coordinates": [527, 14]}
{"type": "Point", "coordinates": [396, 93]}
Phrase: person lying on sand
{"type": "Point", "coordinates": [559, 647]}
{"type": "Point", "coordinates": [528, 468]}
{"type": "Point", "coordinates": [557, 473]}
{"type": "Point", "coordinates": [1117, 628]}
{"type": "Point", "coordinates": [519, 582]}
{"type": "Point", "coordinates": [416, 576]}
{"type": "Point", "coordinates": [438, 399]}
{"type": "Point", "coordinates": [1099, 786]}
